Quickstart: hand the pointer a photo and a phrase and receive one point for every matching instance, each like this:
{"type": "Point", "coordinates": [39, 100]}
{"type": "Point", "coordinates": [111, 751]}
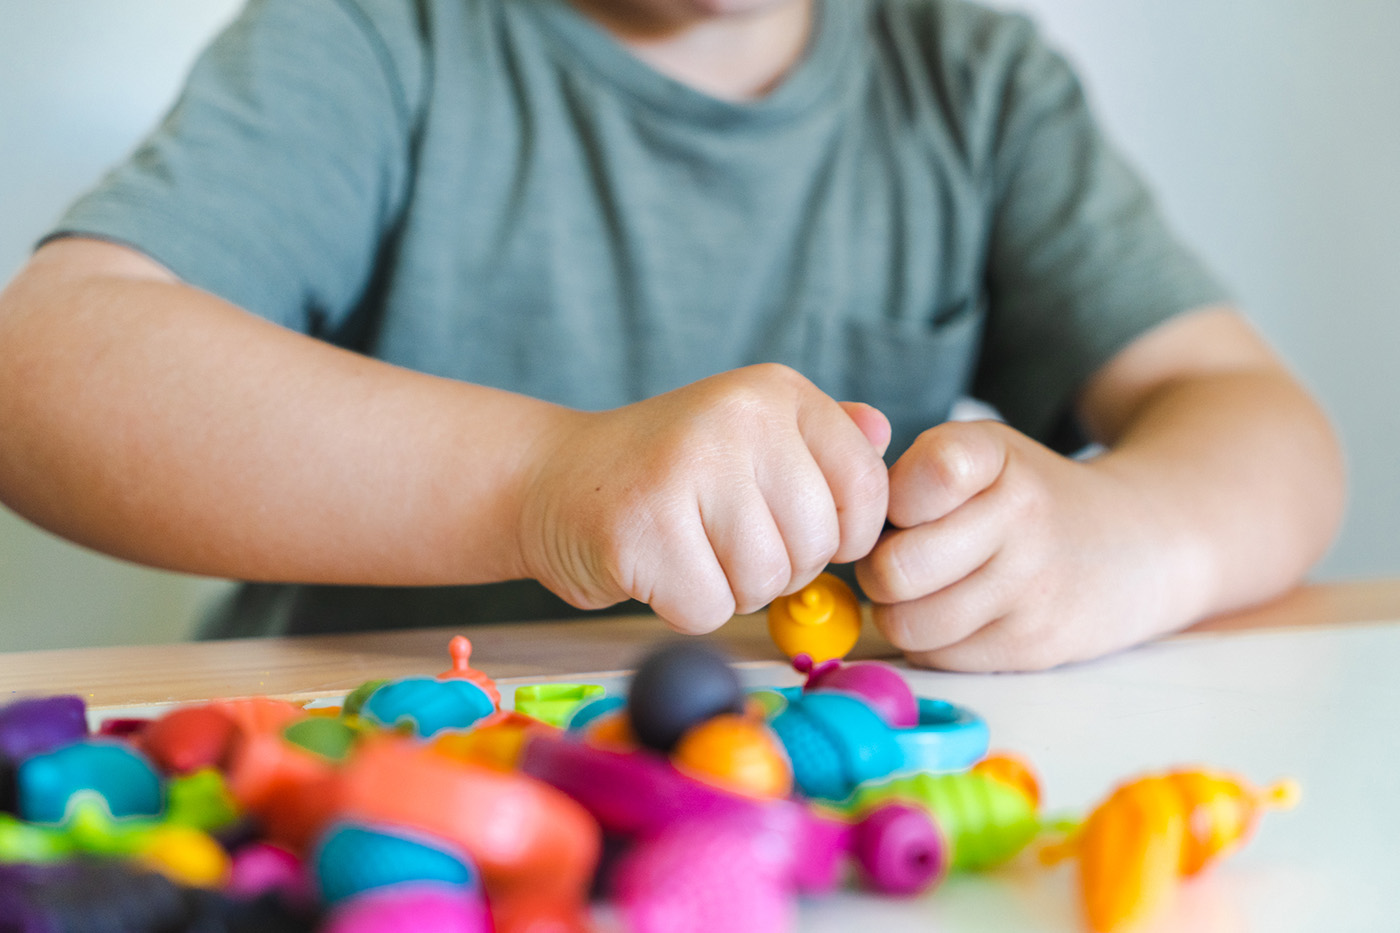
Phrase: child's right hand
{"type": "Point", "coordinates": [706, 501]}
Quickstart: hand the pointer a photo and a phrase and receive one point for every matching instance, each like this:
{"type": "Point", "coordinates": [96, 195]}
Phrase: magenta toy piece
{"type": "Point", "coordinates": [641, 795]}
{"type": "Point", "coordinates": [260, 868]}
{"type": "Point", "coordinates": [900, 850]}
{"type": "Point", "coordinates": [879, 685]}
{"type": "Point", "coordinates": [420, 907]}
{"type": "Point", "coordinates": [702, 878]}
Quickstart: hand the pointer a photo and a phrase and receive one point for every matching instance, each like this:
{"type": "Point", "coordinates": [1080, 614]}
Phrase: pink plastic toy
{"type": "Point", "coordinates": [416, 907]}
{"type": "Point", "coordinates": [769, 849]}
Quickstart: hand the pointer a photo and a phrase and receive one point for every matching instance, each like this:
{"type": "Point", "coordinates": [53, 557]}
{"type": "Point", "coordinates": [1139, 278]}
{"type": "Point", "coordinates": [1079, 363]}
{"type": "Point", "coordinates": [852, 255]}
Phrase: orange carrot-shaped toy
{"type": "Point", "coordinates": [1155, 830]}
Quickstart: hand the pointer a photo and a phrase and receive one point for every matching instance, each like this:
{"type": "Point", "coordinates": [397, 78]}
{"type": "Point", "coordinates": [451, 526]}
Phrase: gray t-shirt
{"type": "Point", "coordinates": [496, 191]}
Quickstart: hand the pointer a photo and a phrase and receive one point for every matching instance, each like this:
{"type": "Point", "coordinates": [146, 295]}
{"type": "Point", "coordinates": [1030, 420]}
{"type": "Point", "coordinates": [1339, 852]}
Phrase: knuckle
{"type": "Point", "coordinates": [883, 575]}
{"type": "Point", "coordinates": [766, 579]}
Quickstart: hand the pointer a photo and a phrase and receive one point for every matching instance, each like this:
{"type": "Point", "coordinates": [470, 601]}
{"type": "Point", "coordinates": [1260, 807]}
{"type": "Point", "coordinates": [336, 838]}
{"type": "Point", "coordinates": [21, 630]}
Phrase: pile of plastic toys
{"type": "Point", "coordinates": [690, 804]}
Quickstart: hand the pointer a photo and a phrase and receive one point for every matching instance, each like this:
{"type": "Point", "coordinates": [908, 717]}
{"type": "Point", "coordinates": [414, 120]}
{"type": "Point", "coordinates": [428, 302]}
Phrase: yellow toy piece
{"type": "Point", "coordinates": [1156, 830]}
{"type": "Point", "coordinates": [822, 620]}
{"type": "Point", "coordinates": [186, 856]}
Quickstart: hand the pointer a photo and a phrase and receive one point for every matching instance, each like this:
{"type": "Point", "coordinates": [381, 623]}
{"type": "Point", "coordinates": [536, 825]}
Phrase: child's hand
{"type": "Point", "coordinates": [706, 501]}
{"type": "Point", "coordinates": [1005, 555]}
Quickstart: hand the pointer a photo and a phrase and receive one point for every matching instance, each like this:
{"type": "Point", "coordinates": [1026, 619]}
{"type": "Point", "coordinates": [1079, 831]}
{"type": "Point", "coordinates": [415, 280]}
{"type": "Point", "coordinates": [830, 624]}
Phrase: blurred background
{"type": "Point", "coordinates": [1269, 128]}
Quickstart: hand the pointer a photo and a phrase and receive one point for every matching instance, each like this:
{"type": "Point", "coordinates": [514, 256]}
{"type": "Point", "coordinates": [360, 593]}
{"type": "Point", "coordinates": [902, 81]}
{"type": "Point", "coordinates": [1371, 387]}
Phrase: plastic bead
{"type": "Point", "coordinates": [419, 907]}
{"type": "Point", "coordinates": [821, 620]}
{"type": "Point", "coordinates": [900, 850]}
{"type": "Point", "coordinates": [676, 687]}
{"type": "Point", "coordinates": [351, 859]}
{"type": "Point", "coordinates": [554, 703]}
{"type": "Point", "coordinates": [428, 705]}
{"type": "Point", "coordinates": [329, 738]}
{"type": "Point", "coordinates": [461, 650]}
{"type": "Point", "coordinates": [879, 685]}
{"type": "Point", "coordinates": [737, 754]}
{"type": "Point", "coordinates": [1154, 830]}
{"type": "Point", "coordinates": [186, 856]}
{"type": "Point", "coordinates": [985, 821]}
{"type": "Point", "coordinates": [122, 778]}
{"type": "Point", "coordinates": [41, 724]}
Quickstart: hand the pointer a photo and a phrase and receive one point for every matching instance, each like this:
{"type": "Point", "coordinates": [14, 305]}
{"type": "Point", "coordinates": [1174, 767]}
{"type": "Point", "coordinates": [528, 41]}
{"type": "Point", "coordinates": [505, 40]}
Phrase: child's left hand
{"type": "Point", "coordinates": [1006, 555]}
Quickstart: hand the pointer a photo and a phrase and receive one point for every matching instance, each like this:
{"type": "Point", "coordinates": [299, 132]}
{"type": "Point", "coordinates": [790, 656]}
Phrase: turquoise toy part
{"type": "Point", "coordinates": [427, 704]}
{"type": "Point", "coordinates": [353, 858]}
{"type": "Point", "coordinates": [127, 784]}
{"type": "Point", "coordinates": [837, 742]}
{"type": "Point", "coordinates": [947, 738]}
{"type": "Point", "coordinates": [592, 710]}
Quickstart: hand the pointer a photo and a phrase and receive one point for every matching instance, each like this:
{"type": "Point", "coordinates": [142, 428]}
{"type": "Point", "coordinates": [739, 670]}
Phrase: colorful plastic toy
{"type": "Point", "coordinates": [837, 742]}
{"type": "Point", "coordinates": [188, 738]}
{"type": "Point", "coordinates": [1155, 830]}
{"type": "Point", "coordinates": [987, 818]}
{"type": "Point", "coordinates": [821, 620]}
{"type": "Point", "coordinates": [460, 648]}
{"type": "Point", "coordinates": [35, 725]}
{"type": "Point", "coordinates": [676, 687]}
{"type": "Point", "coordinates": [554, 703]}
{"type": "Point", "coordinates": [535, 848]}
{"type": "Point", "coordinates": [126, 783]}
{"type": "Point", "coordinates": [421, 907]}
{"type": "Point", "coordinates": [707, 859]}
{"type": "Point", "coordinates": [351, 859]}
{"type": "Point", "coordinates": [427, 705]}
{"type": "Point", "coordinates": [879, 685]}
{"type": "Point", "coordinates": [737, 753]}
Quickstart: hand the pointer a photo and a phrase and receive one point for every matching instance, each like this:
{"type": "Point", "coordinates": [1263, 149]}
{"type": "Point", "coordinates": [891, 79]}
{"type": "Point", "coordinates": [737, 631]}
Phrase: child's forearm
{"type": "Point", "coordinates": [1245, 476]}
{"type": "Point", "coordinates": [155, 422]}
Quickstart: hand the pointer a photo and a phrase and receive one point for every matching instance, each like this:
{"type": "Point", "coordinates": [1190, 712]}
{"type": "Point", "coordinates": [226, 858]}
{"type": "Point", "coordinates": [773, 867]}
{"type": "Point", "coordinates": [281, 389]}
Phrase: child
{"type": "Point", "coordinates": [405, 296]}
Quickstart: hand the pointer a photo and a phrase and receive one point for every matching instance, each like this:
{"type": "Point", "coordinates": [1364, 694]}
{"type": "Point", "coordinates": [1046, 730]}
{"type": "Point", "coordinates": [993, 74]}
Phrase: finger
{"type": "Point", "coordinates": [872, 423]}
{"type": "Point", "coordinates": [854, 474]}
{"type": "Point", "coordinates": [747, 542]}
{"type": "Point", "coordinates": [1001, 645]}
{"type": "Point", "coordinates": [945, 466]}
{"type": "Point", "coordinates": [948, 616]}
{"type": "Point", "coordinates": [681, 579]}
{"type": "Point", "coordinates": [800, 502]}
{"type": "Point", "coordinates": [910, 563]}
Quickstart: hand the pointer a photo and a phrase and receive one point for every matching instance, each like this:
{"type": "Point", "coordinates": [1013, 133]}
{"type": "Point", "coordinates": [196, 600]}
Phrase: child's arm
{"type": "Point", "coordinates": [1221, 484]}
{"type": "Point", "coordinates": [158, 423]}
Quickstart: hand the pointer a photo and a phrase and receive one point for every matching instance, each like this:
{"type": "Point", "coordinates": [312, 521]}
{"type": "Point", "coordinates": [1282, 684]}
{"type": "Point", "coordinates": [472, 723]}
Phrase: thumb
{"type": "Point", "coordinates": [872, 423]}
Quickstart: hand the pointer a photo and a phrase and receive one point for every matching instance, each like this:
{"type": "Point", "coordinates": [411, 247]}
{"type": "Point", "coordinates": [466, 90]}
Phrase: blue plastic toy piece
{"type": "Point", "coordinates": [837, 742]}
{"type": "Point", "coordinates": [354, 858]}
{"type": "Point", "coordinates": [592, 710]}
{"type": "Point", "coordinates": [428, 704]}
{"type": "Point", "coordinates": [46, 784]}
{"type": "Point", "coordinates": [947, 738]}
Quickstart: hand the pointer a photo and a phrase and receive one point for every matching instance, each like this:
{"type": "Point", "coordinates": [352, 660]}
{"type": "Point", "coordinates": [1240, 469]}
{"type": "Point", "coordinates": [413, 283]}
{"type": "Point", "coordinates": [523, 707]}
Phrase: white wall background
{"type": "Point", "coordinates": [1270, 128]}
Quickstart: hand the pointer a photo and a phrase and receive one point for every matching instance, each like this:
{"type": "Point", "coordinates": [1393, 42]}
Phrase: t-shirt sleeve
{"type": "Point", "coordinates": [1080, 259]}
{"type": "Point", "coordinates": [273, 180]}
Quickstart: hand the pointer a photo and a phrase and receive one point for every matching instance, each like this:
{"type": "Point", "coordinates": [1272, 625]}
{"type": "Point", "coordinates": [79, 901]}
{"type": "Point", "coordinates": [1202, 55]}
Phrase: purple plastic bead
{"type": "Point", "coordinates": [41, 724]}
{"type": "Point", "coordinates": [899, 849]}
{"type": "Point", "coordinates": [879, 685]}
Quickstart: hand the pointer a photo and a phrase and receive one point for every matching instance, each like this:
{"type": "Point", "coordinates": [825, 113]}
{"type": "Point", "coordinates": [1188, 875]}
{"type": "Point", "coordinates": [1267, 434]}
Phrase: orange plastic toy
{"type": "Point", "coordinates": [536, 848]}
{"type": "Point", "coordinates": [460, 647]}
{"type": "Point", "coordinates": [736, 753]}
{"type": "Point", "coordinates": [1155, 830]}
{"type": "Point", "coordinates": [822, 620]}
